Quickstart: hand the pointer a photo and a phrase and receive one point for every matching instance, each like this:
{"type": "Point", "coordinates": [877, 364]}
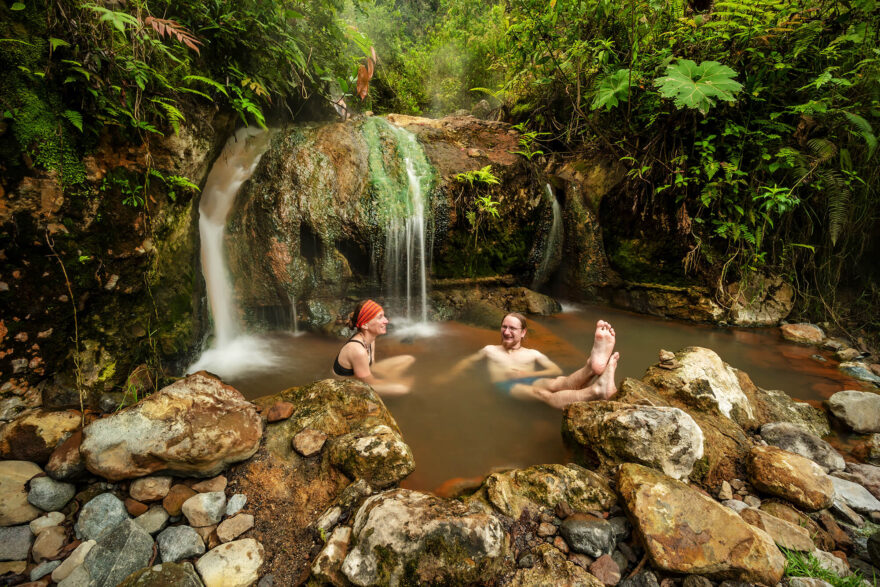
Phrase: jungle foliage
{"type": "Point", "coordinates": [73, 68]}
{"type": "Point", "coordinates": [747, 129]}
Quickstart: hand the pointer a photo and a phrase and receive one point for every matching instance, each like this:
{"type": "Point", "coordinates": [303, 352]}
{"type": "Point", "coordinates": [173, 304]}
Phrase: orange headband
{"type": "Point", "coordinates": [369, 310]}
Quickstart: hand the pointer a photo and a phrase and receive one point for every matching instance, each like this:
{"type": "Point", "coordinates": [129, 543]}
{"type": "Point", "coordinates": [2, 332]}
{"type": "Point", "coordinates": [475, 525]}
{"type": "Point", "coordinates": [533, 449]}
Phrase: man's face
{"type": "Point", "coordinates": [512, 333]}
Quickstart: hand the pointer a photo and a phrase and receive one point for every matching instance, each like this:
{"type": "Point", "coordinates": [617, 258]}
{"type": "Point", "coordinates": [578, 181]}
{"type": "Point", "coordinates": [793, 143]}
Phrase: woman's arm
{"type": "Point", "coordinates": [360, 364]}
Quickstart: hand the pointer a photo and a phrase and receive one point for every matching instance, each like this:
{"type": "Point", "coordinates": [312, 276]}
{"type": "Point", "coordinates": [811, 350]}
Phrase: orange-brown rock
{"type": "Point", "coordinates": [785, 534]}
{"type": "Point", "coordinates": [34, 436]}
{"type": "Point", "coordinates": [217, 483]}
{"type": "Point", "coordinates": [195, 426]}
{"type": "Point", "coordinates": [279, 411]}
{"type": "Point", "coordinates": [685, 531]}
{"type": "Point", "coordinates": [792, 477]}
{"type": "Point", "coordinates": [788, 513]}
{"type": "Point", "coordinates": [175, 498]}
{"type": "Point", "coordinates": [802, 333]}
{"type": "Point", "coordinates": [66, 462]}
{"type": "Point", "coordinates": [134, 507]}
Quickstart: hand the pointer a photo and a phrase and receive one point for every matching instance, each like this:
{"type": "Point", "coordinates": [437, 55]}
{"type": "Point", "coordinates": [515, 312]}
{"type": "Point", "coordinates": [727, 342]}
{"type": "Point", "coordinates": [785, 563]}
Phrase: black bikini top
{"type": "Point", "coordinates": [341, 371]}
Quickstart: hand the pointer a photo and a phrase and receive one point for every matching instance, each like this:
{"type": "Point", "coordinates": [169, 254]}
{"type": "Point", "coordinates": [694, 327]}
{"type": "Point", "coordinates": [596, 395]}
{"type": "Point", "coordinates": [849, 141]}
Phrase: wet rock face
{"type": "Point", "coordinates": [859, 410]}
{"type": "Point", "coordinates": [407, 537]}
{"type": "Point", "coordinates": [544, 486]}
{"type": "Point", "coordinates": [665, 438]}
{"type": "Point", "coordinates": [220, 426]}
{"type": "Point", "coordinates": [791, 477]}
{"type": "Point", "coordinates": [687, 532]}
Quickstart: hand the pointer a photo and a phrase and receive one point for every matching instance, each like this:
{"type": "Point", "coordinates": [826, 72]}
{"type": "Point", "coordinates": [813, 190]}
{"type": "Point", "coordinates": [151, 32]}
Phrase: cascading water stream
{"type": "Point", "coordinates": [554, 239]}
{"type": "Point", "coordinates": [231, 352]}
{"type": "Point", "coordinates": [406, 253]}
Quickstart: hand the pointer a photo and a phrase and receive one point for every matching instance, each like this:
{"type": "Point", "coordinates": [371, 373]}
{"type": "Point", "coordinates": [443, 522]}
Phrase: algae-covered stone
{"type": "Point", "coordinates": [406, 537]}
{"type": "Point", "coordinates": [220, 426]}
{"type": "Point", "coordinates": [685, 531]}
{"type": "Point", "coordinates": [544, 486]}
{"type": "Point", "coordinates": [665, 438]}
{"type": "Point", "coordinates": [164, 575]}
{"type": "Point", "coordinates": [791, 477]}
{"type": "Point", "coordinates": [378, 455]}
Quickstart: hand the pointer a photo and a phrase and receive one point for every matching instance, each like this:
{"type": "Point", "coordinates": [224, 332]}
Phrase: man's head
{"type": "Point", "coordinates": [513, 330]}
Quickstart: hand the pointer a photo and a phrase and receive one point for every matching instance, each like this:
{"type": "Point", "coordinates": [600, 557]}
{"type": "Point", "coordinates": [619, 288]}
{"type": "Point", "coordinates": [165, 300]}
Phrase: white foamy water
{"type": "Point", "coordinates": [231, 353]}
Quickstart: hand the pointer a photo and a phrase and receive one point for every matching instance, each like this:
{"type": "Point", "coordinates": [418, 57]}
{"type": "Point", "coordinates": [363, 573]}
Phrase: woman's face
{"type": "Point", "coordinates": [377, 325]}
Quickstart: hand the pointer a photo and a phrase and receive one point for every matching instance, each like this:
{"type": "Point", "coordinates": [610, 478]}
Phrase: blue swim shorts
{"type": "Point", "coordinates": [505, 387]}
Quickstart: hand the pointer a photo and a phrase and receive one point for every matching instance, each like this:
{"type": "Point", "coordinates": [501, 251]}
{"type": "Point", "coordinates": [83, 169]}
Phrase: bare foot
{"type": "Point", "coordinates": [603, 345]}
{"type": "Point", "coordinates": [605, 387]}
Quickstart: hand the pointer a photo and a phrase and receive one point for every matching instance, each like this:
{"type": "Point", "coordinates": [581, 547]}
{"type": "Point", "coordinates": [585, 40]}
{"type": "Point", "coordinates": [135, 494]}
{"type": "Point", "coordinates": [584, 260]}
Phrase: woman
{"type": "Point", "coordinates": [355, 359]}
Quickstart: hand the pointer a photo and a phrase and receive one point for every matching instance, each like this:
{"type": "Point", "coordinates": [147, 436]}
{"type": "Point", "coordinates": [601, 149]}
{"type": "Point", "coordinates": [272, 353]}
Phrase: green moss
{"type": "Point", "coordinates": [700, 470]}
{"type": "Point", "coordinates": [108, 372]}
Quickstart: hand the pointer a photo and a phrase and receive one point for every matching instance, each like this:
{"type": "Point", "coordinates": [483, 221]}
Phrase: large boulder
{"type": "Point", "coordinates": [407, 537]}
{"type": "Point", "coordinates": [542, 487]}
{"type": "Point", "coordinates": [684, 531]}
{"type": "Point", "coordinates": [791, 477]}
{"type": "Point", "coordinates": [196, 426]}
{"type": "Point", "coordinates": [705, 382]}
{"type": "Point", "coordinates": [298, 489]}
{"type": "Point", "coordinates": [794, 439]}
{"type": "Point", "coordinates": [378, 455]}
{"type": "Point", "coordinates": [14, 506]}
{"type": "Point", "coordinates": [664, 438]}
{"type": "Point", "coordinates": [860, 410]}
{"type": "Point", "coordinates": [34, 436]}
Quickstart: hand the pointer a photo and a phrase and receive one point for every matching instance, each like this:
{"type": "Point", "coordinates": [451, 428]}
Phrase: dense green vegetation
{"type": "Point", "coordinates": [746, 129]}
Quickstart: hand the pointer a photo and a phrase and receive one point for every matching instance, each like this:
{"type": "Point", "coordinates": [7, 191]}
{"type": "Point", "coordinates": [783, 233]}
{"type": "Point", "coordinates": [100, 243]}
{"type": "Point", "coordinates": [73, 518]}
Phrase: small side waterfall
{"type": "Point", "coordinates": [403, 208]}
{"type": "Point", "coordinates": [554, 239]}
{"type": "Point", "coordinates": [230, 352]}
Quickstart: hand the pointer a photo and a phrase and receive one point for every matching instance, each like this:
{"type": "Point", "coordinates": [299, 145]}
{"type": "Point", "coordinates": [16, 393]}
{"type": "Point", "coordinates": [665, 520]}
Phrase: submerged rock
{"type": "Point", "coordinates": [793, 439]}
{"type": "Point", "coordinates": [685, 531]}
{"type": "Point", "coordinates": [545, 486]}
{"type": "Point", "coordinates": [665, 438]}
{"type": "Point", "coordinates": [220, 426]}
{"type": "Point", "coordinates": [403, 536]}
{"type": "Point", "coordinates": [860, 410]}
{"type": "Point", "coordinates": [791, 477]}
{"type": "Point", "coordinates": [34, 436]}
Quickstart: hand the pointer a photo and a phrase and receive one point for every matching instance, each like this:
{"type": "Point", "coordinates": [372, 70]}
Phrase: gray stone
{"type": "Point", "coordinates": [78, 577]}
{"type": "Point", "coordinates": [736, 505]}
{"type": "Point", "coordinates": [642, 579]}
{"type": "Point", "coordinates": [15, 543]}
{"type": "Point", "coordinates": [794, 439]}
{"type": "Point", "coordinates": [50, 495]}
{"type": "Point", "coordinates": [153, 520]}
{"type": "Point", "coordinates": [696, 581]}
{"type": "Point", "coordinates": [859, 371]}
{"type": "Point", "coordinates": [100, 515]}
{"type": "Point", "coordinates": [235, 503]}
{"type": "Point", "coordinates": [205, 509]}
{"type": "Point", "coordinates": [807, 582]}
{"type": "Point", "coordinates": [874, 548]}
{"type": "Point", "coordinates": [588, 534]}
{"type": "Point", "coordinates": [854, 495]}
{"type": "Point", "coordinates": [860, 410]}
{"type": "Point", "coordinates": [165, 575]}
{"type": "Point", "coordinates": [43, 569]}
{"type": "Point", "coordinates": [119, 552]}
{"type": "Point", "coordinates": [867, 476]}
{"type": "Point", "coordinates": [179, 542]}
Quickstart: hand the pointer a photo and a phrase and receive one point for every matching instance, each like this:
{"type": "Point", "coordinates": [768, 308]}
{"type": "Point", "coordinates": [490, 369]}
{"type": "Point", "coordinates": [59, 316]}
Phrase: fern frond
{"type": "Point", "coordinates": [209, 81]}
{"type": "Point", "coordinates": [838, 202]}
{"type": "Point", "coordinates": [823, 149]}
{"type": "Point", "coordinates": [864, 129]}
{"type": "Point", "coordinates": [172, 114]}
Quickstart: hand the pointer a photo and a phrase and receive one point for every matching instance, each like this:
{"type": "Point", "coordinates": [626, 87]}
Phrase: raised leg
{"type": "Point", "coordinates": [392, 367]}
{"type": "Point", "coordinates": [602, 388]}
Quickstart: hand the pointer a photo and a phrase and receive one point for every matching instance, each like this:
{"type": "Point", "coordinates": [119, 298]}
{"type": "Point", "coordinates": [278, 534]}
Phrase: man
{"type": "Point", "coordinates": [525, 373]}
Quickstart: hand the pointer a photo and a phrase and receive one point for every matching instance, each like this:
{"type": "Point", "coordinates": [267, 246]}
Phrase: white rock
{"type": "Point", "coordinates": [854, 495]}
{"type": "Point", "coordinates": [73, 561]}
{"type": "Point", "coordinates": [234, 564]}
{"type": "Point", "coordinates": [860, 410]}
{"type": "Point", "coordinates": [205, 509]}
{"type": "Point", "coordinates": [47, 521]}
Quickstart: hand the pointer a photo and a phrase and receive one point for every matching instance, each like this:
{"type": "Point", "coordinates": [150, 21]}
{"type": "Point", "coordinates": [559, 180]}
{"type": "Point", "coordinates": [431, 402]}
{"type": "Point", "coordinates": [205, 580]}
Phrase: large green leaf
{"type": "Point", "coordinates": [698, 86]}
{"type": "Point", "coordinates": [611, 90]}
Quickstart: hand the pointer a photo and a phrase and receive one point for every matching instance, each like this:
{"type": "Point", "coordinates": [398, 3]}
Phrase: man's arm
{"type": "Point", "coordinates": [462, 366]}
{"type": "Point", "coordinates": [547, 368]}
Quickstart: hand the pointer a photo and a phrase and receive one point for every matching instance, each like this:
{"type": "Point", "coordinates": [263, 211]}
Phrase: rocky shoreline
{"type": "Point", "coordinates": [691, 475]}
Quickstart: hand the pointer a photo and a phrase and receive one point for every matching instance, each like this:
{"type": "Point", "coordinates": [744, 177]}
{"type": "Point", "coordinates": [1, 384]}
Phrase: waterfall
{"type": "Point", "coordinates": [231, 352]}
{"type": "Point", "coordinates": [294, 327]}
{"type": "Point", "coordinates": [554, 239]}
{"type": "Point", "coordinates": [403, 208]}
